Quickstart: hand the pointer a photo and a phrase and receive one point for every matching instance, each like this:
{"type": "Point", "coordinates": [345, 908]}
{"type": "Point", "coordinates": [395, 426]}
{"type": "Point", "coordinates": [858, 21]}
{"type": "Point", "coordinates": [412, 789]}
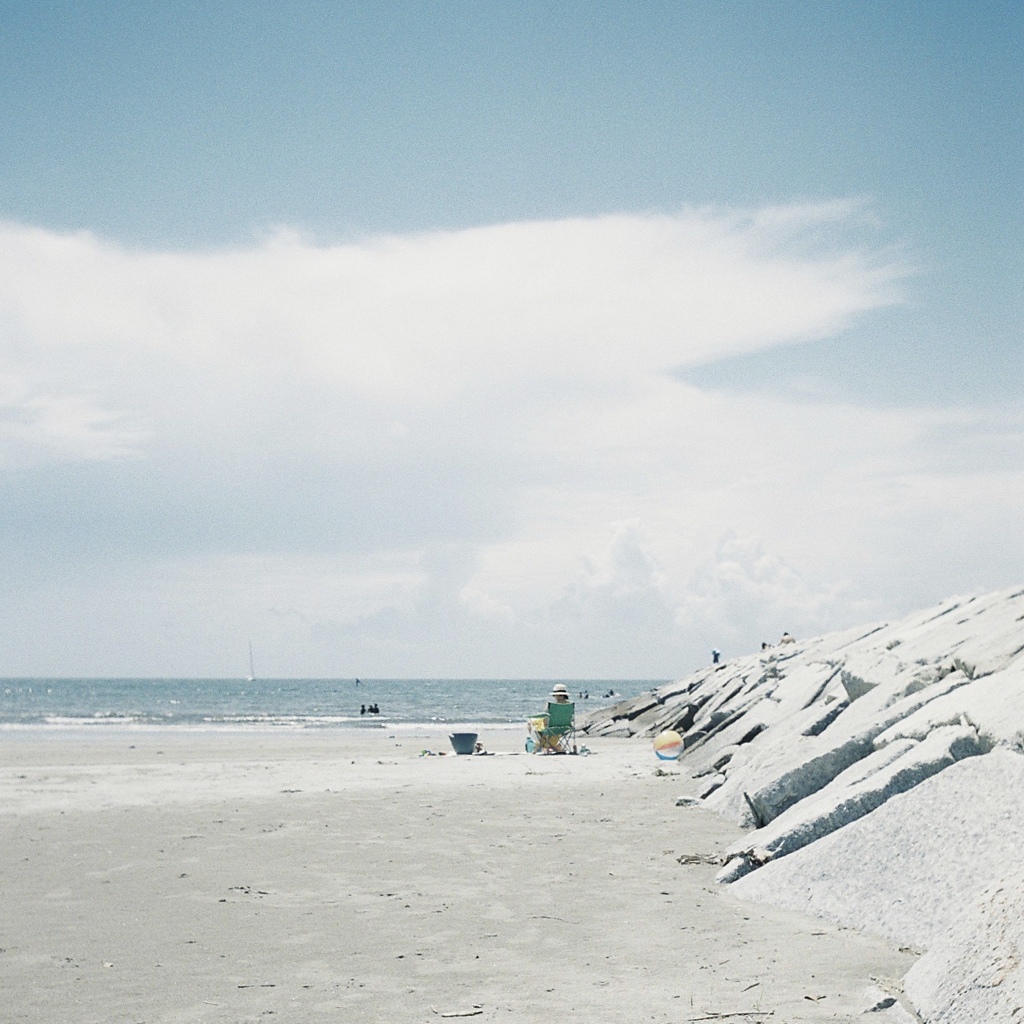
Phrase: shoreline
{"type": "Point", "coordinates": [297, 704]}
{"type": "Point", "coordinates": [82, 728]}
{"type": "Point", "coordinates": [171, 876]}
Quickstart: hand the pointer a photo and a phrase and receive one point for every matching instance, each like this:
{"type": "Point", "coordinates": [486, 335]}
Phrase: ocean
{"type": "Point", "coordinates": [234, 704]}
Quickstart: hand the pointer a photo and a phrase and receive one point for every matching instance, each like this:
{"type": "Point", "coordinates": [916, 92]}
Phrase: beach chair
{"type": "Point", "coordinates": [555, 732]}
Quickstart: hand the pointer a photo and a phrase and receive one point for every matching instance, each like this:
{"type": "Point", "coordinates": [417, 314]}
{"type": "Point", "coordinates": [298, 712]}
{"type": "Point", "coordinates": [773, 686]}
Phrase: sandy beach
{"type": "Point", "coordinates": [161, 876]}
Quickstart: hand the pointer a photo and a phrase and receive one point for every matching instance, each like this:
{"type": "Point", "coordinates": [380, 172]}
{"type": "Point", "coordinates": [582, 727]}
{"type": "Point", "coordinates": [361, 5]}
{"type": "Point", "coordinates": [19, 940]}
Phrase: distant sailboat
{"type": "Point", "coordinates": [251, 678]}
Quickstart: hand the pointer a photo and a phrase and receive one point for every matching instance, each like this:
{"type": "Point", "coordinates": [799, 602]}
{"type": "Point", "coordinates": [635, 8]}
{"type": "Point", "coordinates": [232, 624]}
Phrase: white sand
{"type": "Point", "coordinates": [157, 877]}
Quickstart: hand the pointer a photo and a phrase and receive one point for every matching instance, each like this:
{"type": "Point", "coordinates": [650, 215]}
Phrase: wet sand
{"type": "Point", "coordinates": [164, 877]}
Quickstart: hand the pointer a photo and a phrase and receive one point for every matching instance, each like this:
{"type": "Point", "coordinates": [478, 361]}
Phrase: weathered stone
{"type": "Point", "coordinates": [855, 686]}
{"type": "Point", "coordinates": [641, 707]}
{"type": "Point", "coordinates": [975, 973]}
{"type": "Point", "coordinates": [842, 804]}
{"type": "Point", "coordinates": [808, 778]}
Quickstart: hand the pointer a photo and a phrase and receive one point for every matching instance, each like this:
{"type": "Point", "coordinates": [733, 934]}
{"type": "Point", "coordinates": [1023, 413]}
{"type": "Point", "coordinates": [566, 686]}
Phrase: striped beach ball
{"type": "Point", "coordinates": [668, 745]}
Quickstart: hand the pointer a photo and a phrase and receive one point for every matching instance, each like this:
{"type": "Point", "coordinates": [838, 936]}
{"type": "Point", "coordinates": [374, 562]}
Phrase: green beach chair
{"type": "Point", "coordinates": [558, 734]}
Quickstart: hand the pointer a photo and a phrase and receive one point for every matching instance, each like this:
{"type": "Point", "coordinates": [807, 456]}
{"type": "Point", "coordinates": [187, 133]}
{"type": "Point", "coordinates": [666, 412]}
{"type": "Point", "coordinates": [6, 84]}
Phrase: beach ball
{"type": "Point", "coordinates": [668, 745]}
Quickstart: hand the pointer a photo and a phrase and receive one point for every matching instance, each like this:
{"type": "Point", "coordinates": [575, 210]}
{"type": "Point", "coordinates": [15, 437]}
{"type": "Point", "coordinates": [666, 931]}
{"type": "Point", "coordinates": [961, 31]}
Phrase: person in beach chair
{"type": "Point", "coordinates": [555, 732]}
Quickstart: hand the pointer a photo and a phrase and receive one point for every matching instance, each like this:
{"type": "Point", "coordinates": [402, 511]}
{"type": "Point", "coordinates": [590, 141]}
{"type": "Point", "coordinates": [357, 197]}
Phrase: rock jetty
{"type": "Point", "coordinates": [879, 771]}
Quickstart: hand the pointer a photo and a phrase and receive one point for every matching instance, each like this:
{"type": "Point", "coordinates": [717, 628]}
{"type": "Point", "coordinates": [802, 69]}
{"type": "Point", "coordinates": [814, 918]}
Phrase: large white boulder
{"type": "Point", "coordinates": [974, 973]}
{"type": "Point", "coordinates": [856, 792]}
{"type": "Point", "coordinates": [909, 870]}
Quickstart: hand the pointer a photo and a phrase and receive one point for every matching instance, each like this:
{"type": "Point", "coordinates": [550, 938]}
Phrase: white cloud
{"type": "Point", "coordinates": [743, 587]}
{"type": "Point", "coordinates": [38, 426]}
{"type": "Point", "coordinates": [492, 411]}
{"type": "Point", "coordinates": [423, 318]}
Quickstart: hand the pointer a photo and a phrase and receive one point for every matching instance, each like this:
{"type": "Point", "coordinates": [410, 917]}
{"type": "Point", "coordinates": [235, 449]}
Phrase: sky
{"type": "Point", "coordinates": [549, 340]}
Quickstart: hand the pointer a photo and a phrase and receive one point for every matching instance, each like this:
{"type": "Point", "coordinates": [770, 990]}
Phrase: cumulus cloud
{"type": "Point", "coordinates": [493, 411]}
{"type": "Point", "coordinates": [743, 587]}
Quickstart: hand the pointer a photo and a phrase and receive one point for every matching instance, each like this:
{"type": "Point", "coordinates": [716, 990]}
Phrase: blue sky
{"type": "Point", "coordinates": [256, 382]}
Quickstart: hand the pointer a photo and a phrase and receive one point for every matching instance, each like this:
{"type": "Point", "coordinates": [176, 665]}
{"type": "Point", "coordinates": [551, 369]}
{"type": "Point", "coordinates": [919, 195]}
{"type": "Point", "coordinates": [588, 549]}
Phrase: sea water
{"type": "Point", "coordinates": [292, 703]}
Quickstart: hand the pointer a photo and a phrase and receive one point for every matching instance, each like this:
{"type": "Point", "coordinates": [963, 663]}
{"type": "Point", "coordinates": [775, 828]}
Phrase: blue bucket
{"type": "Point", "coordinates": [463, 742]}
